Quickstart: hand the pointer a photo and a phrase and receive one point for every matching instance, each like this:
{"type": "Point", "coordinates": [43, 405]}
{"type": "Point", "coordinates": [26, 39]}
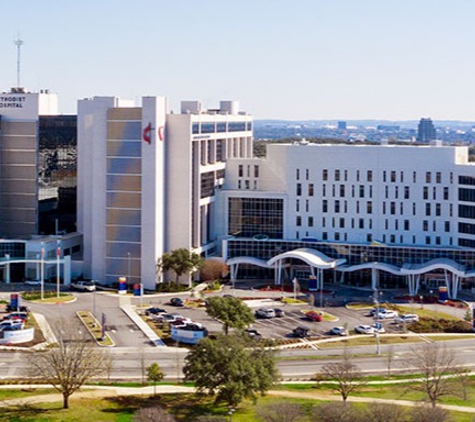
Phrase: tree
{"type": "Point", "coordinates": [180, 261]}
{"type": "Point", "coordinates": [281, 412]}
{"type": "Point", "coordinates": [213, 269]}
{"type": "Point", "coordinates": [389, 359]}
{"type": "Point", "coordinates": [154, 374]}
{"type": "Point", "coordinates": [230, 369]}
{"type": "Point", "coordinates": [332, 412]}
{"type": "Point", "coordinates": [382, 412]}
{"type": "Point", "coordinates": [231, 311]}
{"type": "Point", "coordinates": [69, 364]}
{"type": "Point", "coordinates": [153, 414]}
{"type": "Point", "coordinates": [424, 413]}
{"type": "Point", "coordinates": [434, 362]}
{"type": "Point", "coordinates": [346, 376]}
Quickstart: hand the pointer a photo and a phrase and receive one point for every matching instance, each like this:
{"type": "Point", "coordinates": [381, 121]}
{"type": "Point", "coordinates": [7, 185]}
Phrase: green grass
{"type": "Point", "coordinates": [49, 296]}
{"type": "Point", "coordinates": [428, 313]}
{"type": "Point", "coordinates": [24, 392]}
{"type": "Point", "coordinates": [94, 328]}
{"type": "Point", "coordinates": [366, 340]}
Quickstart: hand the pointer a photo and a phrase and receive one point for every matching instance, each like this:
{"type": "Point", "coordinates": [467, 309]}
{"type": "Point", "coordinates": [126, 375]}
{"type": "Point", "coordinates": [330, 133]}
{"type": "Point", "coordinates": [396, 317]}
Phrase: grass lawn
{"type": "Point", "coordinates": [416, 309]}
{"type": "Point", "coordinates": [18, 394]}
{"type": "Point", "coordinates": [366, 340]}
{"type": "Point", "coordinates": [94, 328]}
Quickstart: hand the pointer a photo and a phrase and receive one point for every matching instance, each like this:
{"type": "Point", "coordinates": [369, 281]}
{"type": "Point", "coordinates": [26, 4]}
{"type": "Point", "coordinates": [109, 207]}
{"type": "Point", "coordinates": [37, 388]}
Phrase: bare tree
{"type": "Point", "coordinates": [153, 414]}
{"type": "Point", "coordinates": [389, 359]}
{"type": "Point", "coordinates": [331, 412]}
{"type": "Point", "coordinates": [280, 412]}
{"type": "Point", "coordinates": [425, 413]}
{"type": "Point", "coordinates": [382, 412]}
{"type": "Point", "coordinates": [435, 363]}
{"type": "Point", "coordinates": [463, 377]}
{"type": "Point", "coordinates": [344, 375]}
{"type": "Point", "coordinates": [69, 364]}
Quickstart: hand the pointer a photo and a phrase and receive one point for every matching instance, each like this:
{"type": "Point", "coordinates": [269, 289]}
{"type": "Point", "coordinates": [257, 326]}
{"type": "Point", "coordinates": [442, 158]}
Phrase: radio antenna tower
{"type": "Point", "coordinates": [18, 42]}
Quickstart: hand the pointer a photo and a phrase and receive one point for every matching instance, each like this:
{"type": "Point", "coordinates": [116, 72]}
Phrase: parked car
{"type": "Point", "coordinates": [11, 325]}
{"type": "Point", "coordinates": [386, 314]}
{"type": "Point", "coordinates": [176, 301]}
{"type": "Point", "coordinates": [265, 313]}
{"type": "Point", "coordinates": [339, 331]}
{"type": "Point", "coordinates": [253, 334]}
{"type": "Point", "coordinates": [314, 316]}
{"type": "Point", "coordinates": [33, 282]}
{"type": "Point", "coordinates": [14, 316]}
{"type": "Point", "coordinates": [154, 311]}
{"type": "Point", "coordinates": [407, 318]}
{"type": "Point", "coordinates": [364, 329]}
{"type": "Point", "coordinates": [84, 285]}
{"type": "Point", "coordinates": [167, 318]}
{"type": "Point", "coordinates": [300, 332]}
{"type": "Point", "coordinates": [279, 313]}
{"type": "Point", "coordinates": [22, 308]}
{"type": "Point", "coordinates": [378, 328]}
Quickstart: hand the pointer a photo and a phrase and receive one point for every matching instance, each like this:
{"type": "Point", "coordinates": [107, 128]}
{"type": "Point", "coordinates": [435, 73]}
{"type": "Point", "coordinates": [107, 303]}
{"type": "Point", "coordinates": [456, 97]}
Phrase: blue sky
{"type": "Point", "coordinates": [300, 59]}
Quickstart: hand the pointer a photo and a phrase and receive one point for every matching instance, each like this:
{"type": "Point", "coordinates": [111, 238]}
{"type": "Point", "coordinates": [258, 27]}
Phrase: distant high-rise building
{"type": "Point", "coordinates": [342, 125]}
{"type": "Point", "coordinates": [426, 130]}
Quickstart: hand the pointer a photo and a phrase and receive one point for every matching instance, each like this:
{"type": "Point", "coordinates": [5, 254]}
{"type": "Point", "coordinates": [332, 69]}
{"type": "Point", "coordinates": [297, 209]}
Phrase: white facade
{"type": "Point", "coordinates": [396, 195]}
{"type": "Point", "coordinates": [147, 181]}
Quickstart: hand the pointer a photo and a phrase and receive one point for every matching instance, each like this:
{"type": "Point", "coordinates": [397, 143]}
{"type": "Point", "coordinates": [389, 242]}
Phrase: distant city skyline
{"type": "Point", "coordinates": [301, 60]}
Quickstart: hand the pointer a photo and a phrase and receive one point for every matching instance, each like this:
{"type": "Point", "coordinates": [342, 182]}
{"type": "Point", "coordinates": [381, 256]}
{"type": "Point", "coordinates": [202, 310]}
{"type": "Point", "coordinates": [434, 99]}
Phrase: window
{"type": "Point", "coordinates": [342, 191]}
{"type": "Point", "coordinates": [240, 170]}
{"type": "Point", "coordinates": [438, 177]}
{"type": "Point", "coordinates": [324, 174]}
{"type": "Point", "coordinates": [386, 224]}
{"type": "Point", "coordinates": [392, 239]}
{"type": "Point", "coordinates": [310, 189]}
{"type": "Point", "coordinates": [446, 193]}
{"type": "Point", "coordinates": [384, 176]}
{"type": "Point", "coordinates": [324, 205]}
{"type": "Point", "coordinates": [337, 206]}
{"type": "Point", "coordinates": [299, 221]}
{"type": "Point", "coordinates": [342, 223]}
{"type": "Point", "coordinates": [337, 175]}
{"type": "Point", "coordinates": [414, 208]}
{"type": "Point", "coordinates": [414, 178]}
{"type": "Point", "coordinates": [386, 192]}
{"type": "Point", "coordinates": [323, 221]}
{"type": "Point", "coordinates": [425, 226]}
{"type": "Point", "coordinates": [427, 240]}
{"type": "Point", "coordinates": [406, 192]}
{"type": "Point", "coordinates": [357, 207]}
{"type": "Point", "coordinates": [346, 175]}
{"type": "Point", "coordinates": [401, 208]}
{"type": "Point", "coordinates": [361, 223]}
{"type": "Point", "coordinates": [357, 175]}
{"type": "Point", "coordinates": [324, 236]}
{"type": "Point", "coordinates": [437, 240]}
{"type": "Point", "coordinates": [369, 176]}
{"type": "Point", "coordinates": [239, 184]}
{"type": "Point", "coordinates": [447, 226]}
{"type": "Point", "coordinates": [384, 207]}
{"type": "Point", "coordinates": [310, 221]}
{"type": "Point", "coordinates": [337, 236]}
{"type": "Point", "coordinates": [396, 192]}
{"type": "Point", "coordinates": [393, 208]}
{"type": "Point", "coordinates": [299, 189]}
{"type": "Point", "coordinates": [437, 209]}
{"type": "Point", "coordinates": [297, 205]}
{"type": "Point", "coordinates": [401, 176]}
{"type": "Point", "coordinates": [248, 171]}
{"type": "Point", "coordinates": [406, 225]}
{"type": "Point", "coordinates": [307, 174]}
{"type": "Point", "coordinates": [371, 191]}
{"type": "Point", "coordinates": [256, 171]}
{"type": "Point", "coordinates": [352, 191]}
{"type": "Point", "coordinates": [428, 177]}
{"type": "Point", "coordinates": [361, 191]}
{"type": "Point", "coordinates": [324, 190]}
{"type": "Point", "coordinates": [393, 176]}
{"type": "Point", "coordinates": [425, 192]}
{"type": "Point", "coordinates": [306, 205]}
{"type": "Point", "coordinates": [297, 174]}
{"type": "Point", "coordinates": [246, 184]}
{"type": "Point", "coordinates": [434, 193]}
{"type": "Point", "coordinates": [369, 207]}
{"type": "Point", "coordinates": [396, 225]}
{"type": "Point", "coordinates": [428, 209]}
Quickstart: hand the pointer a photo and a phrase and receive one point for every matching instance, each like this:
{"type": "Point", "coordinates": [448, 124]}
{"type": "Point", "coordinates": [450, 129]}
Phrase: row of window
{"type": "Point", "coordinates": [388, 176]}
{"type": "Point", "coordinates": [248, 170]}
{"type": "Point", "coordinates": [220, 127]}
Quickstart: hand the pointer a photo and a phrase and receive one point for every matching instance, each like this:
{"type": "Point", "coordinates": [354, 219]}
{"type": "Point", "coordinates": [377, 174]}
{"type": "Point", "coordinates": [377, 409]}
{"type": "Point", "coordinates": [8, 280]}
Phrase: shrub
{"type": "Point", "coordinates": [171, 287]}
{"type": "Point", "coordinates": [431, 325]}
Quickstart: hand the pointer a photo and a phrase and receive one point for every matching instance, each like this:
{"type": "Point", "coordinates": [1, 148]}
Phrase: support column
{"type": "Point", "coordinates": [67, 270]}
{"type": "Point", "coordinates": [374, 278]}
{"type": "Point", "coordinates": [7, 269]}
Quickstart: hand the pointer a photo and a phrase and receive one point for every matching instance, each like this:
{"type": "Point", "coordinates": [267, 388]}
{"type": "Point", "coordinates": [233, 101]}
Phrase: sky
{"type": "Point", "coordinates": [282, 59]}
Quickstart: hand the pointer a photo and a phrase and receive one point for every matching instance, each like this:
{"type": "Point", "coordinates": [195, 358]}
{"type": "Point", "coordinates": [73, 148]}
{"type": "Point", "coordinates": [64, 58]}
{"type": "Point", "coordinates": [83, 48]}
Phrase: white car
{"type": "Point", "coordinates": [407, 318]}
{"type": "Point", "coordinates": [84, 285]}
{"type": "Point", "coordinates": [265, 313]}
{"type": "Point", "coordinates": [339, 331]}
{"type": "Point", "coordinates": [364, 329]}
{"type": "Point", "coordinates": [386, 314]}
{"type": "Point", "coordinates": [33, 282]}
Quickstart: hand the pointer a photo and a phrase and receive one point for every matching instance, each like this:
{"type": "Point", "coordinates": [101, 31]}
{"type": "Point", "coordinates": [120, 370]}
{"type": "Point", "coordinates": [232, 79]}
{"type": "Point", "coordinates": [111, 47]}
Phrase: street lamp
{"type": "Point", "coordinates": [58, 255]}
{"type": "Point", "coordinates": [42, 269]}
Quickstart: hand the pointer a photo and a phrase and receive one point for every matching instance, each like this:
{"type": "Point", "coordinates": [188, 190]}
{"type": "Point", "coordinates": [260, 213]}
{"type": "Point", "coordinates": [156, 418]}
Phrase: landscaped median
{"type": "Point", "coordinates": [49, 297]}
{"type": "Point", "coordinates": [95, 329]}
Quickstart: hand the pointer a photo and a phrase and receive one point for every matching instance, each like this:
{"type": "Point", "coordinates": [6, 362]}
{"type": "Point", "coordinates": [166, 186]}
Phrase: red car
{"type": "Point", "coordinates": [314, 316]}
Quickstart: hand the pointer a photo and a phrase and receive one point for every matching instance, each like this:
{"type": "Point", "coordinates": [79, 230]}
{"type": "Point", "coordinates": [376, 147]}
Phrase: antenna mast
{"type": "Point", "coordinates": [18, 42]}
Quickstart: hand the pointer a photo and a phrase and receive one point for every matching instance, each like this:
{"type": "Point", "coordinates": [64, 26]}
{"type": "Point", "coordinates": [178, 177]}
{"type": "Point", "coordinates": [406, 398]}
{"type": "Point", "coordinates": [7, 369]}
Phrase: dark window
{"type": "Point", "coordinates": [195, 128]}
{"type": "Point", "coordinates": [337, 175]}
{"type": "Point", "coordinates": [446, 193]}
{"type": "Point", "coordinates": [324, 205]}
{"type": "Point", "coordinates": [406, 192]}
{"type": "Point", "coordinates": [428, 177]}
{"type": "Point", "coordinates": [361, 191]}
{"type": "Point", "coordinates": [236, 126]}
{"type": "Point", "coordinates": [437, 210]}
{"type": "Point", "coordinates": [468, 243]}
{"type": "Point", "coordinates": [324, 174]}
{"type": "Point", "coordinates": [425, 226]}
{"type": "Point", "coordinates": [207, 127]}
{"type": "Point", "coordinates": [428, 209]}
{"type": "Point", "coordinates": [438, 177]}
{"type": "Point", "coordinates": [221, 127]}
{"type": "Point", "coordinates": [467, 228]}
{"type": "Point", "coordinates": [240, 170]}
{"type": "Point", "coordinates": [297, 174]}
{"type": "Point", "coordinates": [406, 225]}
{"type": "Point", "coordinates": [467, 180]}
{"type": "Point", "coordinates": [342, 223]}
{"type": "Point", "coordinates": [342, 191]}
{"type": "Point", "coordinates": [310, 189]}
{"type": "Point", "coordinates": [256, 171]}
{"type": "Point", "coordinates": [425, 193]}
{"type": "Point", "coordinates": [369, 207]}
{"type": "Point", "coordinates": [310, 221]}
{"type": "Point", "coordinates": [337, 206]}
{"type": "Point", "coordinates": [249, 125]}
{"type": "Point", "coordinates": [299, 189]}
{"type": "Point", "coordinates": [467, 195]}
{"type": "Point", "coordinates": [207, 184]}
{"type": "Point", "coordinates": [447, 226]}
{"type": "Point", "coordinates": [299, 221]}
{"type": "Point", "coordinates": [393, 176]}
{"type": "Point", "coordinates": [369, 176]}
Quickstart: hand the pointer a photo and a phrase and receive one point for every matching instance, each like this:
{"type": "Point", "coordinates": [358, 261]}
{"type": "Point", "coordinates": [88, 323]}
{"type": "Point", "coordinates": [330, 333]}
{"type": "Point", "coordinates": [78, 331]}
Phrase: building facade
{"type": "Point", "coordinates": [148, 181]}
{"type": "Point", "coordinates": [398, 205]}
{"type": "Point", "coordinates": [426, 131]}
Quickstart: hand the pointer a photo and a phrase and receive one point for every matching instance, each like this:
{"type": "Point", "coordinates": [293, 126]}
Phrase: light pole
{"type": "Point", "coordinates": [378, 324]}
{"type": "Point", "coordinates": [128, 267]}
{"type": "Point", "coordinates": [58, 255]}
{"type": "Point", "coordinates": [42, 269]}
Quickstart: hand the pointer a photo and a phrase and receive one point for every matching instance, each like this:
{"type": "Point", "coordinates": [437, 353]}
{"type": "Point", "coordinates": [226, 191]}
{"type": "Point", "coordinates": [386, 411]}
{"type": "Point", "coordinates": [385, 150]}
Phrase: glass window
{"type": "Point", "coordinates": [221, 126]}
{"type": "Point", "coordinates": [337, 175]}
{"type": "Point", "coordinates": [195, 128]}
{"type": "Point", "coordinates": [240, 170]}
{"type": "Point", "coordinates": [310, 221]}
{"type": "Point", "coordinates": [428, 177]}
{"type": "Point", "coordinates": [299, 189]}
{"type": "Point", "coordinates": [310, 189]}
{"type": "Point", "coordinates": [299, 221]}
{"type": "Point", "coordinates": [337, 206]}
{"type": "Point", "coordinates": [369, 176]}
{"type": "Point", "coordinates": [324, 174]}
{"type": "Point", "coordinates": [207, 127]}
{"type": "Point", "coordinates": [256, 171]}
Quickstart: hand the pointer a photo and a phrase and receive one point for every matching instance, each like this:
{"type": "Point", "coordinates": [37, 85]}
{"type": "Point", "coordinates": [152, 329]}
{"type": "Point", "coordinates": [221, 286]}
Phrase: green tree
{"type": "Point", "coordinates": [180, 261]}
{"type": "Point", "coordinates": [231, 311]}
{"type": "Point", "coordinates": [230, 369]}
{"type": "Point", "coordinates": [154, 374]}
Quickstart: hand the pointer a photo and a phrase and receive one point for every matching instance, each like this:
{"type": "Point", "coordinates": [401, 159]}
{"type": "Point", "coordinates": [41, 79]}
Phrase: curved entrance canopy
{"type": "Point", "coordinates": [311, 257]}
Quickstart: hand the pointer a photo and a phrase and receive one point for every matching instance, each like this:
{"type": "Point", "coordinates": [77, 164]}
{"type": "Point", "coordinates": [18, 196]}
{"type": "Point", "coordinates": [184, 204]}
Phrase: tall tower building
{"type": "Point", "coordinates": [426, 131]}
{"type": "Point", "coordinates": [147, 181]}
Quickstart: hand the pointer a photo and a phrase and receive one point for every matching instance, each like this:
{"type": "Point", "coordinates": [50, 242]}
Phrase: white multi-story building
{"type": "Point", "coordinates": [147, 181]}
{"type": "Point", "coordinates": [390, 205]}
